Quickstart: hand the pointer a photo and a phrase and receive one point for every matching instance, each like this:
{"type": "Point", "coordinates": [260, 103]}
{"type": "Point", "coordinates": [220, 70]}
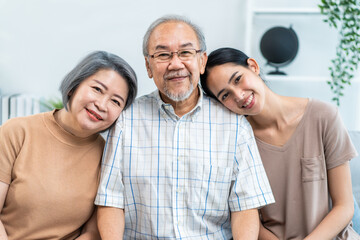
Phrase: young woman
{"type": "Point", "coordinates": [304, 146]}
{"type": "Point", "coordinates": [49, 162]}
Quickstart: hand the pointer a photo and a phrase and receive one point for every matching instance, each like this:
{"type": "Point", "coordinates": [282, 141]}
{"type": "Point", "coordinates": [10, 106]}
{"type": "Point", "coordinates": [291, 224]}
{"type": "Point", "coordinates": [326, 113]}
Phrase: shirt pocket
{"type": "Point", "coordinates": [313, 169]}
{"type": "Point", "coordinates": [210, 193]}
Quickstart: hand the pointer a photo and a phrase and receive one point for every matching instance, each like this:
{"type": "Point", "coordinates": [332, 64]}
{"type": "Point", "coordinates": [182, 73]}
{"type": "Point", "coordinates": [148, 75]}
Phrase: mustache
{"type": "Point", "coordinates": [176, 74]}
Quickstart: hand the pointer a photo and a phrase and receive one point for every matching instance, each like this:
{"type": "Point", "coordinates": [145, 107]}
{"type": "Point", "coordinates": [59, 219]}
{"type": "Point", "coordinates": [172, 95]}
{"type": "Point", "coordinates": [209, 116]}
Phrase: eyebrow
{"type": "Point", "coordinates": [184, 45]}
{"type": "Point", "coordinates": [106, 88]}
{"type": "Point", "coordinates": [161, 47]}
{"type": "Point", "coordinates": [189, 44]}
{"type": "Point", "coordinates": [230, 79]}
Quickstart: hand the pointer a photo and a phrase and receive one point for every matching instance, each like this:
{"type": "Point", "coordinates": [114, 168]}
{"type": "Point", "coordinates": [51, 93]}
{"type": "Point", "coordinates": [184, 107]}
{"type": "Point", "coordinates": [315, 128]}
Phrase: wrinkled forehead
{"type": "Point", "coordinates": [173, 36]}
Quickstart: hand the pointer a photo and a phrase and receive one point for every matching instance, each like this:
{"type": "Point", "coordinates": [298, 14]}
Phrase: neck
{"type": "Point", "coordinates": [63, 118]}
{"type": "Point", "coordinates": [183, 107]}
{"type": "Point", "coordinates": [272, 114]}
{"type": "Point", "coordinates": [278, 111]}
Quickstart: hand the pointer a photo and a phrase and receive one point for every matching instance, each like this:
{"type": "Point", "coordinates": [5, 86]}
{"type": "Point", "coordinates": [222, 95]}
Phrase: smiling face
{"type": "Point", "coordinates": [97, 102]}
{"type": "Point", "coordinates": [239, 88]}
{"type": "Point", "coordinates": [176, 79]}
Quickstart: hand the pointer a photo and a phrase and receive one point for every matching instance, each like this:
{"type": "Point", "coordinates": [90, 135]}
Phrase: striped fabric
{"type": "Point", "coordinates": [179, 178]}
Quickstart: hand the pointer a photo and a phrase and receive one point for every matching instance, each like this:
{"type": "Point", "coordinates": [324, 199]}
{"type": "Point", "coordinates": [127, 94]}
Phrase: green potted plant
{"type": "Point", "coordinates": [53, 103]}
{"type": "Point", "coordinates": [344, 15]}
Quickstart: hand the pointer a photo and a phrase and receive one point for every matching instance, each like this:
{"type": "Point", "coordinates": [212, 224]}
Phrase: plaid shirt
{"type": "Point", "coordinates": [179, 178]}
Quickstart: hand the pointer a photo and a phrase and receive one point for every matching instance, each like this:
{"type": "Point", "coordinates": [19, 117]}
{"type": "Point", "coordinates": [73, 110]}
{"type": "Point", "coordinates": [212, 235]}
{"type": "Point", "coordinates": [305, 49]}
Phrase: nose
{"type": "Point", "coordinates": [175, 62]}
{"type": "Point", "coordinates": [239, 96]}
{"type": "Point", "coordinates": [100, 103]}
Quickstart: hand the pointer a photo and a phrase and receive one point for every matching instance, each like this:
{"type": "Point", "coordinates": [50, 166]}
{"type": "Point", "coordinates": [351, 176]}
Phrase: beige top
{"type": "Point", "coordinates": [53, 178]}
{"type": "Point", "coordinates": [297, 172]}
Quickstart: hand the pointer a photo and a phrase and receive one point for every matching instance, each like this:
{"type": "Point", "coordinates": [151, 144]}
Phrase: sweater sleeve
{"type": "Point", "coordinates": [11, 139]}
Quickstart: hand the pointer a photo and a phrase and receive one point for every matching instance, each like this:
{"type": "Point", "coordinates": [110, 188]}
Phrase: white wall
{"type": "Point", "coordinates": [41, 40]}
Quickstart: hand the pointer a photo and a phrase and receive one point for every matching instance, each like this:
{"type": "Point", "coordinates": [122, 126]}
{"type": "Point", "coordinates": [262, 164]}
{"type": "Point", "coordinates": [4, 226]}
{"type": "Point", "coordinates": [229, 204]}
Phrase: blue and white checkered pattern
{"type": "Point", "coordinates": [179, 178]}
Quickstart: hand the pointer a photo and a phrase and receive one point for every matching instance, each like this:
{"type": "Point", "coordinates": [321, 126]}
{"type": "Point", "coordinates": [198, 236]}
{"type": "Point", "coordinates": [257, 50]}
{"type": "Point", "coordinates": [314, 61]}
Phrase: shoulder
{"type": "Point", "coordinates": [218, 112]}
{"type": "Point", "coordinates": [213, 105]}
{"type": "Point", "coordinates": [15, 129]}
{"type": "Point", "coordinates": [145, 99]}
{"type": "Point", "coordinates": [22, 122]}
{"type": "Point", "coordinates": [322, 109]}
{"type": "Point", "coordinates": [142, 102]}
{"type": "Point", "coordinates": [143, 106]}
{"type": "Point", "coordinates": [323, 116]}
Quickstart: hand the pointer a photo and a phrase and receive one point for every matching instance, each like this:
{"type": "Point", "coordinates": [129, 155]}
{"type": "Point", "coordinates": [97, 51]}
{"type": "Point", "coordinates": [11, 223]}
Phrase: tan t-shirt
{"type": "Point", "coordinates": [297, 172]}
{"type": "Point", "coordinates": [53, 178]}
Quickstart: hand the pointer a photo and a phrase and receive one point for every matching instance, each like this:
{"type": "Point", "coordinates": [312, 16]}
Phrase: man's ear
{"type": "Point", "coordinates": [253, 65]}
{"type": "Point", "coordinates": [148, 69]}
{"type": "Point", "coordinates": [203, 61]}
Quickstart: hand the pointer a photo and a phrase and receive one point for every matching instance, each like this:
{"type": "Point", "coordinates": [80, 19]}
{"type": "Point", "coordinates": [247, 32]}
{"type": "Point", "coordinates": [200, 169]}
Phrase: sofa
{"type": "Point", "coordinates": [355, 178]}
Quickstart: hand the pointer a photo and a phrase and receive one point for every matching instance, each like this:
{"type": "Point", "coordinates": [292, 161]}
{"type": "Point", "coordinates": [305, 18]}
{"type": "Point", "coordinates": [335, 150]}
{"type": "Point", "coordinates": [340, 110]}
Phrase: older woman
{"type": "Point", "coordinates": [50, 161]}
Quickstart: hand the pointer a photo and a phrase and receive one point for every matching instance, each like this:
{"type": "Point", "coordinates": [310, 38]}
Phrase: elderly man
{"type": "Point", "coordinates": [178, 165]}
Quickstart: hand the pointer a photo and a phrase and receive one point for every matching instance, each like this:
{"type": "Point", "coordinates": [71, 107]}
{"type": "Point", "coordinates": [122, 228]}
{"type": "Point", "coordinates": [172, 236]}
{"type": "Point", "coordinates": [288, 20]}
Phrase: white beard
{"type": "Point", "coordinates": [180, 96]}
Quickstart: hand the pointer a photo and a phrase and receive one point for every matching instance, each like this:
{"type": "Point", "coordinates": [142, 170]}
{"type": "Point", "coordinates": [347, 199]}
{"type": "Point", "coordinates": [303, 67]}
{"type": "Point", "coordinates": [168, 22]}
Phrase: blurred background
{"type": "Point", "coordinates": [41, 40]}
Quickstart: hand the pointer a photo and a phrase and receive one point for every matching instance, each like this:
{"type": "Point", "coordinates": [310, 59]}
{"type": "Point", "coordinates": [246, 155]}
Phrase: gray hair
{"type": "Point", "coordinates": [173, 18]}
{"type": "Point", "coordinates": [93, 63]}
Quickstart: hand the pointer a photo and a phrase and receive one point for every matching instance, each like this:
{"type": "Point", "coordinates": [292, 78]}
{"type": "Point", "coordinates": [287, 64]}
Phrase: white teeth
{"type": "Point", "coordinates": [248, 101]}
{"type": "Point", "coordinates": [97, 117]}
{"type": "Point", "coordinates": [92, 113]}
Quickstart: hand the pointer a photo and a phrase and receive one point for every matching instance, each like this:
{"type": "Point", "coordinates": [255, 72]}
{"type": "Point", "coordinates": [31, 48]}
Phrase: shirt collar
{"type": "Point", "coordinates": [167, 110]}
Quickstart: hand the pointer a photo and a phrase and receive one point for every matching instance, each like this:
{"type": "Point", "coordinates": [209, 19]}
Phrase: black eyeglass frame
{"type": "Point", "coordinates": [172, 54]}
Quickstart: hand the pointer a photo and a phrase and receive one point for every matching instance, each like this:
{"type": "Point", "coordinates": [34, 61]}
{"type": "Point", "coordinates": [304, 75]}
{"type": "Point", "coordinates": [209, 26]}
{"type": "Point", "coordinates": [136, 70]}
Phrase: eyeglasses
{"type": "Point", "coordinates": [183, 55]}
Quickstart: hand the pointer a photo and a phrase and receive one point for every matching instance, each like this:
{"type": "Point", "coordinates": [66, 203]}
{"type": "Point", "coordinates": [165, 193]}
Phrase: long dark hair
{"type": "Point", "coordinates": [219, 57]}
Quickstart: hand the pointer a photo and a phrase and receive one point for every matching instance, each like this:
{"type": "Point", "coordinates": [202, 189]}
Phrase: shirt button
{"type": "Point", "coordinates": [179, 190]}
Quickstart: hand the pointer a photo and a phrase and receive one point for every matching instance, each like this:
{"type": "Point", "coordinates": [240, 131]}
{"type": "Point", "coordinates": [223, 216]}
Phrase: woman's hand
{"type": "Point", "coordinates": [339, 180]}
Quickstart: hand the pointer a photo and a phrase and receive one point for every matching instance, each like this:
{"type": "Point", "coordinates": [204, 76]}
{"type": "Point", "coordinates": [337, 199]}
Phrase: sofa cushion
{"type": "Point", "coordinates": [355, 165]}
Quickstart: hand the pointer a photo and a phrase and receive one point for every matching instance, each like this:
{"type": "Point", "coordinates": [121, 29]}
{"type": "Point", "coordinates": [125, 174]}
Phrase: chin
{"type": "Point", "coordinates": [241, 111]}
{"type": "Point", "coordinates": [91, 129]}
{"type": "Point", "coordinates": [252, 112]}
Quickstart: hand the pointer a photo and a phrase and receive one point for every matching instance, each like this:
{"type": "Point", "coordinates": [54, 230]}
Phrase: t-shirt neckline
{"type": "Point", "coordinates": [298, 128]}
